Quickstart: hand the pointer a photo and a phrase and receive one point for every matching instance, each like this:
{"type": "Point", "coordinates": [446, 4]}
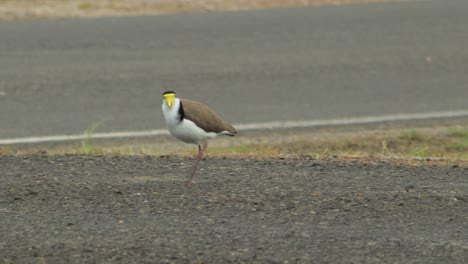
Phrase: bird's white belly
{"type": "Point", "coordinates": [188, 132]}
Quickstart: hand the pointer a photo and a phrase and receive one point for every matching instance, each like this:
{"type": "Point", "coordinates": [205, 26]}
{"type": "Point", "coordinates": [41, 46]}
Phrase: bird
{"type": "Point", "coordinates": [194, 123]}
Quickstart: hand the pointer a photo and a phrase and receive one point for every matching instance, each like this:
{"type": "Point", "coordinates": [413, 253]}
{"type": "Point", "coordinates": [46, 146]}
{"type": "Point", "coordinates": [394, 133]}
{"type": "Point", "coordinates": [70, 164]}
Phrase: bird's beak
{"type": "Point", "coordinates": [169, 98]}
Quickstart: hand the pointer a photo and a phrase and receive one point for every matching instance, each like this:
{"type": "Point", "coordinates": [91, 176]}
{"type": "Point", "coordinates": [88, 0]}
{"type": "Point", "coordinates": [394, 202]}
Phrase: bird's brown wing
{"type": "Point", "coordinates": [205, 118]}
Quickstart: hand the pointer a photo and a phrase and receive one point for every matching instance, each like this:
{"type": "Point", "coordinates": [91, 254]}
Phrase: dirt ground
{"type": "Point", "coordinates": [49, 9]}
{"type": "Point", "coordinates": [127, 209]}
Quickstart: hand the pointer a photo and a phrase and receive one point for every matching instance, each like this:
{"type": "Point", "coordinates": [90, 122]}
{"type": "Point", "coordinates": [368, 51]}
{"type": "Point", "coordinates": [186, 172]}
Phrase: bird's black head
{"type": "Point", "coordinates": [168, 92]}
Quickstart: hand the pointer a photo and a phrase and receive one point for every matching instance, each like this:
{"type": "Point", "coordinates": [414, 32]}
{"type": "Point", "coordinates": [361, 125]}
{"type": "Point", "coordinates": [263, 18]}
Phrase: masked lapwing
{"type": "Point", "coordinates": [193, 122]}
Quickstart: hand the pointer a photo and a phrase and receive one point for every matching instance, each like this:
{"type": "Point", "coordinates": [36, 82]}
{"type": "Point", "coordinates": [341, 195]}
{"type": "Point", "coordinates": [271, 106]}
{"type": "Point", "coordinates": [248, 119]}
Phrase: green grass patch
{"type": "Point", "coordinates": [87, 147]}
{"type": "Point", "coordinates": [85, 6]}
{"type": "Point", "coordinates": [459, 131]}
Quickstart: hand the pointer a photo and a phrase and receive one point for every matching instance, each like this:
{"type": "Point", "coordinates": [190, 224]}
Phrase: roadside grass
{"type": "Point", "coordinates": [446, 143]}
{"type": "Point", "coordinates": [53, 9]}
{"type": "Point", "coordinates": [87, 147]}
{"type": "Point", "coordinates": [439, 146]}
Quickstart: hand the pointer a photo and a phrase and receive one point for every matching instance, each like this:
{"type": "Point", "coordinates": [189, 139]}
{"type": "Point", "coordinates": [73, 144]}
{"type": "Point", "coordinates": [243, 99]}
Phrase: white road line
{"type": "Point", "coordinates": [251, 126]}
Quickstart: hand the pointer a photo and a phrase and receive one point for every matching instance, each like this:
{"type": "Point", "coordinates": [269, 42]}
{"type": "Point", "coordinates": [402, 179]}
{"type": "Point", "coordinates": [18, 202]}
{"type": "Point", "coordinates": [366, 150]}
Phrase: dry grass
{"type": "Point", "coordinates": [51, 9]}
{"type": "Point", "coordinates": [445, 144]}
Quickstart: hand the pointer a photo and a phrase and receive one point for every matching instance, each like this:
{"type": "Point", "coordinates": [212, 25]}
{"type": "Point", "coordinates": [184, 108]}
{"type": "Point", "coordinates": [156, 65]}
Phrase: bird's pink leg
{"type": "Point", "coordinates": [201, 148]}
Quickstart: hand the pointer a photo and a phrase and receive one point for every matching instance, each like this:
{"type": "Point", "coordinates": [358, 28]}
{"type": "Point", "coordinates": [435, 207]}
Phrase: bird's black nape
{"type": "Point", "coordinates": [168, 92]}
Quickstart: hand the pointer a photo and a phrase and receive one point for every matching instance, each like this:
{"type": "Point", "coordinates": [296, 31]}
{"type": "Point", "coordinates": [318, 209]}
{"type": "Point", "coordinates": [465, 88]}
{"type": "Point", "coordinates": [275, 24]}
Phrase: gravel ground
{"type": "Point", "coordinates": [126, 209]}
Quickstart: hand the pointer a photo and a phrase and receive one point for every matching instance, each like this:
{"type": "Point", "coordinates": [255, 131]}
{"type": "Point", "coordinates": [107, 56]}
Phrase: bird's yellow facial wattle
{"type": "Point", "coordinates": [169, 98]}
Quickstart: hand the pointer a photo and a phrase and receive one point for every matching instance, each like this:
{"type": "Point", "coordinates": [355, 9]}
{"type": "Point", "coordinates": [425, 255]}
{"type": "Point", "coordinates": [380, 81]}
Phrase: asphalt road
{"type": "Point", "coordinates": [61, 76]}
{"type": "Point", "coordinates": [133, 209]}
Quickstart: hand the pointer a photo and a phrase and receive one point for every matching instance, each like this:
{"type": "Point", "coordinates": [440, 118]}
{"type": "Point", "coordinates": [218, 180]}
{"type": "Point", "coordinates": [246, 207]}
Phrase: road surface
{"type": "Point", "coordinates": [61, 76]}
